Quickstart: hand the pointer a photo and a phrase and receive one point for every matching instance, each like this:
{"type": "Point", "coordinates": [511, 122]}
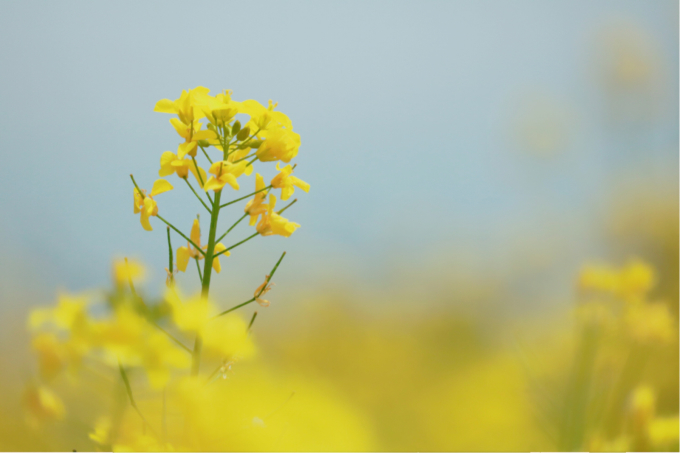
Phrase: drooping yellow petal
{"type": "Point", "coordinates": [231, 180]}
{"type": "Point", "coordinates": [196, 233]}
{"type": "Point", "coordinates": [213, 184]}
{"type": "Point", "coordinates": [300, 183]}
{"type": "Point", "coordinates": [182, 129]}
{"type": "Point", "coordinates": [144, 219]}
{"type": "Point", "coordinates": [160, 186]}
{"type": "Point", "coordinates": [165, 106]}
{"type": "Point", "coordinates": [183, 256]}
{"type": "Point", "coordinates": [203, 176]}
{"type": "Point", "coordinates": [216, 262]}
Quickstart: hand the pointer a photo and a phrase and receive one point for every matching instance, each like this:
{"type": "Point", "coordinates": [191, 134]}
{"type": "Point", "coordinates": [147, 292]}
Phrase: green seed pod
{"type": "Point", "coordinates": [236, 127]}
{"type": "Point", "coordinates": [243, 134]}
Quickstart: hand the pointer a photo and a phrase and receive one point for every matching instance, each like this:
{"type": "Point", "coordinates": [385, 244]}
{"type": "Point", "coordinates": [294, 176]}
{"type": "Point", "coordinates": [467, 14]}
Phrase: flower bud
{"type": "Point", "coordinates": [236, 127]}
{"type": "Point", "coordinates": [243, 134]}
{"type": "Point", "coordinates": [203, 143]}
{"type": "Point", "coordinates": [254, 144]}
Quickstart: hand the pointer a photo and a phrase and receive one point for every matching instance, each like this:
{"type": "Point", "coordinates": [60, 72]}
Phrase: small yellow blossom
{"type": "Point", "coordinates": [190, 315]}
{"type": "Point", "coordinates": [187, 106]}
{"type": "Point", "coordinates": [263, 118]}
{"type": "Point", "coordinates": [184, 254]}
{"type": "Point", "coordinates": [146, 204]}
{"type": "Point", "coordinates": [41, 404]}
{"type": "Point", "coordinates": [650, 322]}
{"type": "Point", "coordinates": [52, 355]}
{"type": "Point", "coordinates": [256, 206]}
{"type": "Point", "coordinates": [226, 173]}
{"type": "Point", "coordinates": [273, 223]}
{"type": "Point", "coordinates": [636, 279]}
{"type": "Point", "coordinates": [287, 183]}
{"type": "Point", "coordinates": [220, 109]}
{"type": "Point", "coordinates": [170, 164]}
{"type": "Point", "coordinates": [663, 433]}
{"type": "Point", "coordinates": [279, 144]}
{"type": "Point", "coordinates": [126, 270]}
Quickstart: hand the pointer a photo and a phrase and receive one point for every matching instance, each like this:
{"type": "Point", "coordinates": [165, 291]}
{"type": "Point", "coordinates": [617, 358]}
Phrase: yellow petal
{"type": "Point", "coordinates": [300, 183]}
{"type": "Point", "coordinates": [167, 158]}
{"type": "Point", "coordinates": [186, 148]}
{"type": "Point", "coordinates": [160, 186]}
{"type": "Point", "coordinates": [213, 184]}
{"type": "Point", "coordinates": [203, 176]}
{"type": "Point", "coordinates": [181, 128]}
{"type": "Point", "coordinates": [165, 106]}
{"type": "Point", "coordinates": [231, 180]}
{"type": "Point", "coordinates": [196, 233]}
{"type": "Point", "coordinates": [182, 258]}
{"type": "Point", "coordinates": [144, 219]}
{"type": "Point", "coordinates": [248, 170]}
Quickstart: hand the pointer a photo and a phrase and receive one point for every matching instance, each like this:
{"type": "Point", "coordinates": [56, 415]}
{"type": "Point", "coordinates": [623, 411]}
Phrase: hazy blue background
{"type": "Point", "coordinates": [408, 114]}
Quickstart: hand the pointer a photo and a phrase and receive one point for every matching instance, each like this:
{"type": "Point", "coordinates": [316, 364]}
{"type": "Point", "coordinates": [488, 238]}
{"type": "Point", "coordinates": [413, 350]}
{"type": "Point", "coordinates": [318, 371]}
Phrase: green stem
{"type": "Point", "coordinates": [181, 234]}
{"type": "Point", "coordinates": [243, 198]}
{"type": "Point", "coordinates": [237, 244]}
{"type": "Point", "coordinates": [232, 227]}
{"type": "Point", "coordinates": [200, 178]}
{"type": "Point", "coordinates": [170, 254]}
{"type": "Point", "coordinates": [207, 273]}
{"type": "Point", "coordinates": [197, 196]}
{"type": "Point", "coordinates": [206, 154]}
{"type": "Point", "coordinates": [252, 320]}
{"type": "Point", "coordinates": [200, 274]}
{"type": "Point", "coordinates": [267, 280]}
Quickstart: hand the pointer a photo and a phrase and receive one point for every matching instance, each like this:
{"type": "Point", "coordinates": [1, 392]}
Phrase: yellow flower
{"type": "Point", "coordinates": [636, 279]}
{"type": "Point", "coordinates": [191, 133]}
{"type": "Point", "coordinates": [220, 109]}
{"type": "Point", "coordinates": [263, 118]}
{"type": "Point", "coordinates": [42, 404]}
{"type": "Point", "coordinates": [226, 173]}
{"type": "Point", "coordinates": [189, 316]}
{"type": "Point", "coordinates": [170, 164]}
{"type": "Point", "coordinates": [286, 182]}
{"type": "Point", "coordinates": [256, 206]}
{"type": "Point", "coordinates": [126, 270]}
{"type": "Point", "coordinates": [273, 223]}
{"type": "Point", "coordinates": [663, 433]}
{"type": "Point", "coordinates": [184, 254]}
{"type": "Point", "coordinates": [279, 144]}
{"type": "Point", "coordinates": [650, 322]}
{"type": "Point", "coordinates": [187, 106]}
{"type": "Point", "coordinates": [227, 337]}
{"type": "Point", "coordinates": [51, 354]}
{"type": "Point", "coordinates": [146, 204]}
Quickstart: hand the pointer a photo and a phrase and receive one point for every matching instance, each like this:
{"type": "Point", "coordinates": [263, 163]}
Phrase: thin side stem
{"type": "Point", "coordinates": [232, 227]}
{"type": "Point", "coordinates": [243, 198]}
{"type": "Point", "coordinates": [237, 244]}
{"type": "Point", "coordinates": [197, 195]}
{"type": "Point", "coordinates": [267, 280]}
{"type": "Point", "coordinates": [182, 234]}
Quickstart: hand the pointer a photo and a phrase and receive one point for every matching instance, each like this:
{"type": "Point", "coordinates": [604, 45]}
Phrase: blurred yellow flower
{"type": "Point", "coordinates": [41, 404]}
{"type": "Point", "coordinates": [279, 144]}
{"type": "Point", "coordinates": [126, 269]}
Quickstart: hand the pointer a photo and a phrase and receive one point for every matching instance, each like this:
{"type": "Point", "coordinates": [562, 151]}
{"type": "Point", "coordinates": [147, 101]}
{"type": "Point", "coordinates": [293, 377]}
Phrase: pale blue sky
{"type": "Point", "coordinates": [404, 108]}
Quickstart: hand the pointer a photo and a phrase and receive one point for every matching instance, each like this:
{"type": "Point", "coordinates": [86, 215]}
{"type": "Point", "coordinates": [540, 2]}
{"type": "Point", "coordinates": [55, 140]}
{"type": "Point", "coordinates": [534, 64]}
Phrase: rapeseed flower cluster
{"type": "Point", "coordinates": [147, 345]}
{"type": "Point", "coordinates": [609, 404]}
